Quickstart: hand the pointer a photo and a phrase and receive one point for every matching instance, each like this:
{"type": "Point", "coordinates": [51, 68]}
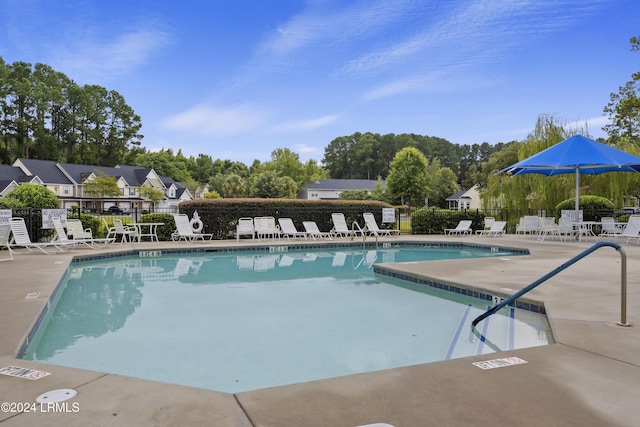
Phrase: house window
{"type": "Point", "coordinates": [132, 191]}
{"type": "Point", "coordinates": [122, 191]}
{"type": "Point", "coordinates": [66, 190]}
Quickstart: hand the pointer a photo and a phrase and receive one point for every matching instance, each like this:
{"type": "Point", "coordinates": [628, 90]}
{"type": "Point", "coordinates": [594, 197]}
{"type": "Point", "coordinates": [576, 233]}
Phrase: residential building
{"type": "Point", "coordinates": [330, 189]}
{"type": "Point", "coordinates": [465, 199]}
{"type": "Point", "coordinates": [66, 181]}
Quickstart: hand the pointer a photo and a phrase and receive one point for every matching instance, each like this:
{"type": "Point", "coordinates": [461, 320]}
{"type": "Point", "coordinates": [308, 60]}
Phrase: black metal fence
{"type": "Point", "coordinates": [222, 224]}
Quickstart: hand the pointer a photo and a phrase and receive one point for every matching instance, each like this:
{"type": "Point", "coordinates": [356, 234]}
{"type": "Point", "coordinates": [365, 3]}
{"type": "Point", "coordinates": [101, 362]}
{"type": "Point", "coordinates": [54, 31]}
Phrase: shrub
{"type": "Point", "coordinates": [435, 221]}
{"type": "Point", "coordinates": [219, 216]}
{"type": "Point", "coordinates": [163, 231]}
{"type": "Point", "coordinates": [591, 206]}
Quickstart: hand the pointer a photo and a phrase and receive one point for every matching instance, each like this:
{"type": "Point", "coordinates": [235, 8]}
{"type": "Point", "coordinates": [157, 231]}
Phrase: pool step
{"type": "Point", "coordinates": [496, 334]}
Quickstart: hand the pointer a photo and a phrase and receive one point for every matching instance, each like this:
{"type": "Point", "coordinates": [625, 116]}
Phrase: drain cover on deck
{"type": "Point", "coordinates": [55, 396]}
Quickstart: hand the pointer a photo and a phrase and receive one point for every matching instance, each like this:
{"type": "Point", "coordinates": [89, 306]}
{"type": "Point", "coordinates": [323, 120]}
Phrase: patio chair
{"type": "Point", "coordinates": [127, 234]}
{"type": "Point", "coordinates": [610, 229]}
{"type": "Point", "coordinates": [547, 227]}
{"type": "Point", "coordinates": [266, 227]}
{"type": "Point", "coordinates": [77, 232]}
{"type": "Point", "coordinates": [340, 227]}
{"type": "Point", "coordinates": [288, 229]}
{"type": "Point", "coordinates": [5, 234]}
{"type": "Point", "coordinates": [463, 227]}
{"type": "Point", "coordinates": [21, 238]}
{"type": "Point", "coordinates": [314, 232]}
{"type": "Point", "coordinates": [498, 228]}
{"type": "Point", "coordinates": [111, 230]}
{"type": "Point", "coordinates": [371, 226]}
{"type": "Point", "coordinates": [528, 225]}
{"type": "Point", "coordinates": [632, 229]}
{"type": "Point", "coordinates": [244, 227]}
{"type": "Point", "coordinates": [61, 234]}
{"type": "Point", "coordinates": [184, 230]}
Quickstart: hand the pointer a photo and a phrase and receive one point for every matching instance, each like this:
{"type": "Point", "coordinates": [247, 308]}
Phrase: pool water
{"type": "Point", "coordinates": [238, 321]}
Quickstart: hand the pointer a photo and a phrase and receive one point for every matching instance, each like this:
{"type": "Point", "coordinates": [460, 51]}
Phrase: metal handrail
{"type": "Point", "coordinates": [623, 283]}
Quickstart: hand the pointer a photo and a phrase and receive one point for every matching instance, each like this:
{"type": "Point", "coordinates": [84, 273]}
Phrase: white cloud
{"type": "Point", "coordinates": [305, 125]}
{"type": "Point", "coordinates": [214, 121]}
{"type": "Point", "coordinates": [91, 59]}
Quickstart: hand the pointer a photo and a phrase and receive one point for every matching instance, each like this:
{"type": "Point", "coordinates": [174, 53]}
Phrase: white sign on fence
{"type": "Point", "coordinates": [388, 215]}
{"type": "Point", "coordinates": [49, 214]}
{"type": "Point", "coordinates": [5, 216]}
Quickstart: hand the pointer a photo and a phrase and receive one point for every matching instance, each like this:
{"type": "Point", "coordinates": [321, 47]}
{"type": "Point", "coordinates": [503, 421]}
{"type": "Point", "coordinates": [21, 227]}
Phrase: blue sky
{"type": "Point", "coordinates": [237, 79]}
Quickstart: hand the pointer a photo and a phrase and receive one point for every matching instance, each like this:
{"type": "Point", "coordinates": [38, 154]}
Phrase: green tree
{"type": "Point", "coordinates": [624, 107]}
{"type": "Point", "coordinates": [408, 180]}
{"type": "Point", "coordinates": [269, 185]}
{"type": "Point", "coordinates": [34, 196]}
{"type": "Point", "coordinates": [152, 194]}
{"type": "Point", "coordinates": [99, 186]}
{"type": "Point", "coordinates": [165, 163]}
{"type": "Point", "coordinates": [444, 185]}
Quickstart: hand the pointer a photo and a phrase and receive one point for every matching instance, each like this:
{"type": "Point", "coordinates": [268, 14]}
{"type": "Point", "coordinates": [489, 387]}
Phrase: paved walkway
{"type": "Point", "coordinates": [589, 377]}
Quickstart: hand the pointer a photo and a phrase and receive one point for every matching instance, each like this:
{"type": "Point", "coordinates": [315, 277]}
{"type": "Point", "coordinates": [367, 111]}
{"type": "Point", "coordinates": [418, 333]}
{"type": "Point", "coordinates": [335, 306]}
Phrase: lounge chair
{"type": "Point", "coordinates": [314, 232]}
{"type": "Point", "coordinates": [5, 234]}
{"type": "Point", "coordinates": [21, 238]}
{"type": "Point", "coordinates": [266, 227]}
{"type": "Point", "coordinates": [610, 229]}
{"type": "Point", "coordinates": [340, 227]}
{"type": "Point", "coordinates": [288, 229]}
{"type": "Point", "coordinates": [528, 225]}
{"type": "Point", "coordinates": [463, 227]}
{"type": "Point", "coordinates": [371, 226]}
{"type": "Point", "coordinates": [488, 222]}
{"type": "Point", "coordinates": [496, 229]}
{"type": "Point", "coordinates": [185, 231]}
{"type": "Point", "coordinates": [632, 229]}
{"type": "Point", "coordinates": [244, 227]}
{"type": "Point", "coordinates": [127, 234]}
{"type": "Point", "coordinates": [76, 232]}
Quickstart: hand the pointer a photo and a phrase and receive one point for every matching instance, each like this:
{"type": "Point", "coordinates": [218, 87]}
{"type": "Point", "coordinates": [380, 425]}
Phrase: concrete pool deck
{"type": "Point", "coordinates": [590, 376]}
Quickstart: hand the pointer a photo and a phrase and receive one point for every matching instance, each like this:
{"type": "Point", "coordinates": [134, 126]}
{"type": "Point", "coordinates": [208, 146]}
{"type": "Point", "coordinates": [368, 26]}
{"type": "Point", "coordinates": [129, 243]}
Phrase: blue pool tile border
{"type": "Point", "coordinates": [455, 289]}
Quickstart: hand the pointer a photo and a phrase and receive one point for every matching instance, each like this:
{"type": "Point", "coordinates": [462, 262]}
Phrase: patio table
{"type": "Point", "coordinates": [151, 229]}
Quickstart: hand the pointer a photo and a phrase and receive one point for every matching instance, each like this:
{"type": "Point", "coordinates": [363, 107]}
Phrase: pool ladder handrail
{"type": "Point", "coordinates": [623, 283]}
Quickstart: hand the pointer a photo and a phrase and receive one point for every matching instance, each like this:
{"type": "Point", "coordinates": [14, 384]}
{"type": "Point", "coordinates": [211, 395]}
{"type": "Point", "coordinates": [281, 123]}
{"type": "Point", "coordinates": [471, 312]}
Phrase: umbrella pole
{"type": "Point", "coordinates": [577, 194]}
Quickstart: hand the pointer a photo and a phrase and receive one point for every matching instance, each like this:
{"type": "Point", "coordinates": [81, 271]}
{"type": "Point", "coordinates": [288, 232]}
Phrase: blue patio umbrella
{"type": "Point", "coordinates": [579, 155]}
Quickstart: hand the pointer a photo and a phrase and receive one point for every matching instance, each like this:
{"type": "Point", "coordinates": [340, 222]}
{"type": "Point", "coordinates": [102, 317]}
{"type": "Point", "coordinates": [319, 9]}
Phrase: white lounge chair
{"type": "Point", "coordinates": [288, 229]}
{"type": "Point", "coordinates": [632, 229]}
{"type": "Point", "coordinates": [341, 228]}
{"type": "Point", "coordinates": [185, 231]}
{"type": "Point", "coordinates": [266, 227]}
{"type": "Point", "coordinates": [371, 226]}
{"type": "Point", "coordinates": [21, 238]}
{"type": "Point", "coordinates": [463, 227]}
{"type": "Point", "coordinates": [244, 227]}
{"type": "Point", "coordinates": [61, 234]}
{"type": "Point", "coordinates": [528, 225]}
{"type": "Point", "coordinates": [314, 232]}
{"type": "Point", "coordinates": [496, 229]}
{"type": "Point", "coordinates": [5, 233]}
{"type": "Point", "coordinates": [76, 232]}
{"type": "Point", "coordinates": [610, 228]}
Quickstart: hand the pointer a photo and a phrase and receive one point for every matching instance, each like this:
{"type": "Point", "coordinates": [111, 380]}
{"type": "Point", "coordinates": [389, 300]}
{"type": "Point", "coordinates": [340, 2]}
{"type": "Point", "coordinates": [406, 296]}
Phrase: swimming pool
{"type": "Point", "coordinates": [242, 320]}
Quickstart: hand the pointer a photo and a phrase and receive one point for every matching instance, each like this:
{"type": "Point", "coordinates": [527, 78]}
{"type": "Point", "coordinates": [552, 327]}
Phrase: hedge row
{"type": "Point", "coordinates": [220, 216]}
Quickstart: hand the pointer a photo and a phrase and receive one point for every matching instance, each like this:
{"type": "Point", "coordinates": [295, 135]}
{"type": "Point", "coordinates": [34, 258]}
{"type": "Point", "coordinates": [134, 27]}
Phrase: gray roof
{"type": "Point", "coordinates": [13, 173]}
{"type": "Point", "coordinates": [47, 171]}
{"type": "Point", "coordinates": [459, 195]}
{"type": "Point", "coordinates": [343, 184]}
